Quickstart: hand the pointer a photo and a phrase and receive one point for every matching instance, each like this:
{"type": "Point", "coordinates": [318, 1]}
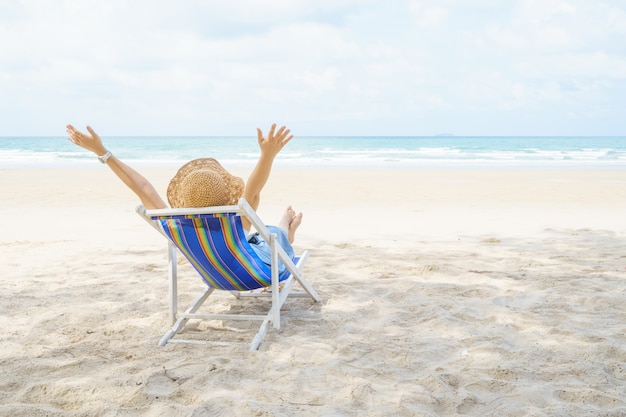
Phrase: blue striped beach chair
{"type": "Point", "coordinates": [214, 242]}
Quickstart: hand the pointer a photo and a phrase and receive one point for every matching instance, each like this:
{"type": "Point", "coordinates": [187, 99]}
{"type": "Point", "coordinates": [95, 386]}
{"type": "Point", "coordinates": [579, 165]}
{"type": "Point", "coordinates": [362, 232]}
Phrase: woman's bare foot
{"type": "Point", "coordinates": [287, 218]}
{"type": "Point", "coordinates": [290, 223]}
{"type": "Point", "coordinates": [293, 226]}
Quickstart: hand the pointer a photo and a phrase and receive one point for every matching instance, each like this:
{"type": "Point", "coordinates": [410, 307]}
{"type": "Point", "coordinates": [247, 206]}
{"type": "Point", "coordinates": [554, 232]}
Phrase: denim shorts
{"type": "Point", "coordinates": [263, 250]}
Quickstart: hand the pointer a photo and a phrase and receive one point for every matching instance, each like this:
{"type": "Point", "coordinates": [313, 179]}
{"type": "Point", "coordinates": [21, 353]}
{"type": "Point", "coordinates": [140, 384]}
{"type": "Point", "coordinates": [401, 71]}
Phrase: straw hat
{"type": "Point", "coordinates": [204, 183]}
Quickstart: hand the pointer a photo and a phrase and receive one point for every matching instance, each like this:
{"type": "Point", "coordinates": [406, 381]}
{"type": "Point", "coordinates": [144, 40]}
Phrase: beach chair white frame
{"type": "Point", "coordinates": [278, 291]}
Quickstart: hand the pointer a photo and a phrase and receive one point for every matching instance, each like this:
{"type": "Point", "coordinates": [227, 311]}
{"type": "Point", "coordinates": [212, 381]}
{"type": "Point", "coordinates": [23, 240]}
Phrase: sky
{"type": "Point", "coordinates": [321, 67]}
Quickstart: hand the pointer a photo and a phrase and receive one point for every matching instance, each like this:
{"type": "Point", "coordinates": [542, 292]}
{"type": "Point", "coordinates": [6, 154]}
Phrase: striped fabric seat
{"type": "Point", "coordinates": [216, 246]}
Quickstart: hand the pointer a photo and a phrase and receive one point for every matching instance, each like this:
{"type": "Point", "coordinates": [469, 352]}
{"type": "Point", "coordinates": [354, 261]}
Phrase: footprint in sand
{"type": "Point", "coordinates": [160, 385]}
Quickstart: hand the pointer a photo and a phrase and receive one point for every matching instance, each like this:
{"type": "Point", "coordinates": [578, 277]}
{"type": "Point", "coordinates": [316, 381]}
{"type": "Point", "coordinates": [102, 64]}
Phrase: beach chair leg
{"type": "Point", "coordinates": [297, 275]}
{"type": "Point", "coordinates": [182, 320]}
{"type": "Point", "coordinates": [173, 282]}
{"type": "Point", "coordinates": [258, 338]}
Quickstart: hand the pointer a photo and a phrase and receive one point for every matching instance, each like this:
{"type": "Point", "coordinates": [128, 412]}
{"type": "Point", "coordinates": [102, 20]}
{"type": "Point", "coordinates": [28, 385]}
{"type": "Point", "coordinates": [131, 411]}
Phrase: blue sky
{"type": "Point", "coordinates": [336, 67]}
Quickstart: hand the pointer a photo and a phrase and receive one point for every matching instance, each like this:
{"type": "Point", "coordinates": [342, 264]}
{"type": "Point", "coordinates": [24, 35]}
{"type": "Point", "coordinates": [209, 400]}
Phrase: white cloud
{"type": "Point", "coordinates": [427, 15]}
{"type": "Point", "coordinates": [539, 12]}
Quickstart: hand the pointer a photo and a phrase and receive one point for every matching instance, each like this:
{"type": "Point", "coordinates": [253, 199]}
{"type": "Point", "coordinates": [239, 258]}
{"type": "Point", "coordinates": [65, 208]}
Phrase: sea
{"type": "Point", "coordinates": [427, 152]}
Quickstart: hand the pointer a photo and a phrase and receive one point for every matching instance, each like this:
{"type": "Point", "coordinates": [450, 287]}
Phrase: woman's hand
{"type": "Point", "coordinates": [274, 142]}
{"type": "Point", "coordinates": [91, 141]}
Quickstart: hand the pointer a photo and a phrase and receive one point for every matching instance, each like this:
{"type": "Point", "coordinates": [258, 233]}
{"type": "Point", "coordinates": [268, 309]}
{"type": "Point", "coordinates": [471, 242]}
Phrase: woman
{"type": "Point", "coordinates": [204, 182]}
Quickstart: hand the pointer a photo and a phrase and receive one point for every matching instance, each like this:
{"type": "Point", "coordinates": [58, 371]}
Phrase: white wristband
{"type": "Point", "coordinates": [105, 157]}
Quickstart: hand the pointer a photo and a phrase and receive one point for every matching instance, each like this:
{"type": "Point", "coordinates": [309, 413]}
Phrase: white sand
{"type": "Point", "coordinates": [445, 293]}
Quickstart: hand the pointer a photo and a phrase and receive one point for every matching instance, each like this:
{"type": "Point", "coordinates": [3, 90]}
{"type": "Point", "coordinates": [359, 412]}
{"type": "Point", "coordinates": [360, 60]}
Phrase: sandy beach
{"type": "Point", "coordinates": [452, 292]}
